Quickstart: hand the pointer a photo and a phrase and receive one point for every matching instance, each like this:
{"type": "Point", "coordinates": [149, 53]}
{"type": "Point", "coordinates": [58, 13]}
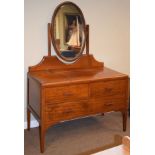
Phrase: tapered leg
{"type": "Point", "coordinates": [42, 139]}
{"type": "Point", "coordinates": [124, 114]}
{"type": "Point", "coordinates": [28, 119]}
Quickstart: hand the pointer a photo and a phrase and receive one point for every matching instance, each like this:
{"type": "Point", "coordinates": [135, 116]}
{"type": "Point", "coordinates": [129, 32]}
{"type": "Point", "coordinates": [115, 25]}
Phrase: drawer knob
{"type": "Point", "coordinates": [67, 94]}
{"type": "Point", "coordinates": [108, 104]}
{"type": "Point", "coordinates": [108, 90]}
{"type": "Point", "coordinates": [68, 112]}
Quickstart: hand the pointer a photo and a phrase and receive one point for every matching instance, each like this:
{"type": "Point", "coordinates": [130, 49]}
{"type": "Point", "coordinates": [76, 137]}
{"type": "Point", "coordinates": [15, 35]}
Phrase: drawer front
{"type": "Point", "coordinates": [66, 93]}
{"type": "Point", "coordinates": [110, 89]}
{"type": "Point", "coordinates": [67, 110]}
{"type": "Point", "coordinates": [106, 105]}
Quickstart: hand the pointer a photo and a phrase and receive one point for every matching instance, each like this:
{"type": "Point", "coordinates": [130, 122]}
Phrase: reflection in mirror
{"type": "Point", "coordinates": [69, 38]}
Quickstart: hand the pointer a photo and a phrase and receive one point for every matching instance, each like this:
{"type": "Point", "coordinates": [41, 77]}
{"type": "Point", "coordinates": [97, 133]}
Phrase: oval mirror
{"type": "Point", "coordinates": [68, 32]}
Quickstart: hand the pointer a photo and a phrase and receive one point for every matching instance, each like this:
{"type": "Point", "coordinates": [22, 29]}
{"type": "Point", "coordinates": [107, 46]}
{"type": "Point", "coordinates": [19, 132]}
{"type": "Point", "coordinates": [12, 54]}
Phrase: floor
{"type": "Point", "coordinates": [78, 137]}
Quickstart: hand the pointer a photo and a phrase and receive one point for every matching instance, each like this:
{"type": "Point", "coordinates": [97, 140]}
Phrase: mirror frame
{"type": "Point", "coordinates": [62, 58]}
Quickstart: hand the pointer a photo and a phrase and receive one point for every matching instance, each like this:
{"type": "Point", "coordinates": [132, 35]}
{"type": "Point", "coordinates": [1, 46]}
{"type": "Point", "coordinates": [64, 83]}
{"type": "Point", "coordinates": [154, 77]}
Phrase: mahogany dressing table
{"type": "Point", "coordinates": [59, 91]}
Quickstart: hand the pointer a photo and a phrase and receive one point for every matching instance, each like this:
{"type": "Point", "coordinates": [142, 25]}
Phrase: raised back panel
{"type": "Point", "coordinates": [53, 63]}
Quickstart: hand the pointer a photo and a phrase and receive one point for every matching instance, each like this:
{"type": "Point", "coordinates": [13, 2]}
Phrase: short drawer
{"type": "Point", "coordinates": [116, 88]}
{"type": "Point", "coordinates": [68, 110]}
{"type": "Point", "coordinates": [106, 105]}
{"type": "Point", "coordinates": [66, 93]}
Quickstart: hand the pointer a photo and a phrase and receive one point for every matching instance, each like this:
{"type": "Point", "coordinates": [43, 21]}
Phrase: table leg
{"type": "Point", "coordinates": [42, 139]}
{"type": "Point", "coordinates": [124, 115]}
{"type": "Point", "coordinates": [28, 119]}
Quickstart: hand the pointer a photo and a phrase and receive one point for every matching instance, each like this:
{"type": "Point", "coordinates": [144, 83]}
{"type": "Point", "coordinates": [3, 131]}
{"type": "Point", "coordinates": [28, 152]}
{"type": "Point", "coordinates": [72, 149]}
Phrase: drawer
{"type": "Point", "coordinates": [106, 105]}
{"type": "Point", "coordinates": [66, 93]}
{"type": "Point", "coordinates": [116, 88]}
{"type": "Point", "coordinates": [67, 110]}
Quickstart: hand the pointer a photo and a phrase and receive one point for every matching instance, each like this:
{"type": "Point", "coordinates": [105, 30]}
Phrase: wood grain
{"type": "Point", "coordinates": [108, 88]}
{"type": "Point", "coordinates": [34, 96]}
{"type": "Point", "coordinates": [69, 93]}
{"type": "Point", "coordinates": [61, 92]}
{"type": "Point", "coordinates": [53, 63]}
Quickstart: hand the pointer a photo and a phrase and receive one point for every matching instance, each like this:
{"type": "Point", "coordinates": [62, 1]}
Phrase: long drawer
{"type": "Point", "coordinates": [70, 110]}
{"type": "Point", "coordinates": [66, 93]}
{"type": "Point", "coordinates": [114, 89]}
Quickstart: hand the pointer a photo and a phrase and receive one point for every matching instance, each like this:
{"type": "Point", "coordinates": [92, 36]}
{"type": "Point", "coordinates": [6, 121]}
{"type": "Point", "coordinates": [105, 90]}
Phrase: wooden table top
{"type": "Point", "coordinates": [56, 77]}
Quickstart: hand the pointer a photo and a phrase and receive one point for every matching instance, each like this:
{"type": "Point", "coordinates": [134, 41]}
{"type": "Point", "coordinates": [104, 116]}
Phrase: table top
{"type": "Point", "coordinates": [56, 77]}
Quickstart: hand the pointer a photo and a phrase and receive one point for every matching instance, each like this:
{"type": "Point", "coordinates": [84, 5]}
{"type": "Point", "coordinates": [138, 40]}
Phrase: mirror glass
{"type": "Point", "coordinates": [68, 31]}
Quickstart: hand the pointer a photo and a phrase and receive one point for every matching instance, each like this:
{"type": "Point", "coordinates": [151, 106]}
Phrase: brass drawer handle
{"type": "Point", "coordinates": [67, 94]}
{"type": "Point", "coordinates": [108, 90]}
{"type": "Point", "coordinates": [108, 104]}
{"type": "Point", "coordinates": [68, 112]}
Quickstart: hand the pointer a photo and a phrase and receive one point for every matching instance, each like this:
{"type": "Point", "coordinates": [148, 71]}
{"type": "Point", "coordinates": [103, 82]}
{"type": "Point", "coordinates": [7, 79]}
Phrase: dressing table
{"type": "Point", "coordinates": [71, 84]}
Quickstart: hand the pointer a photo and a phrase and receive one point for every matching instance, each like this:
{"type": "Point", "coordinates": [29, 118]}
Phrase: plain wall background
{"type": "Point", "coordinates": [109, 22]}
